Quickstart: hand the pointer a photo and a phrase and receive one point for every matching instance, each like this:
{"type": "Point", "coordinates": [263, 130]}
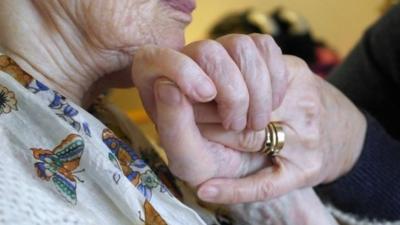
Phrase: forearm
{"type": "Point", "coordinates": [370, 189]}
{"type": "Point", "coordinates": [343, 133]}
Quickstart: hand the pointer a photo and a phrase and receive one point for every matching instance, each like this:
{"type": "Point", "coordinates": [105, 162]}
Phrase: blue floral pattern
{"type": "Point", "coordinates": [60, 106]}
{"type": "Point", "coordinates": [134, 168]}
{"type": "Point", "coordinates": [59, 165]}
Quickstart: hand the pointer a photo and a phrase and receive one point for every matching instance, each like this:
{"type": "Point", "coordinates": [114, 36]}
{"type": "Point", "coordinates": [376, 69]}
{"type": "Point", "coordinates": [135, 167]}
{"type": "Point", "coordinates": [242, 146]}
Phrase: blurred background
{"type": "Point", "coordinates": [320, 30]}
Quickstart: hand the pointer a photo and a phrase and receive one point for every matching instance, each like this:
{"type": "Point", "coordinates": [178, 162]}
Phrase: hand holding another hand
{"type": "Point", "coordinates": [206, 142]}
{"type": "Point", "coordinates": [244, 75]}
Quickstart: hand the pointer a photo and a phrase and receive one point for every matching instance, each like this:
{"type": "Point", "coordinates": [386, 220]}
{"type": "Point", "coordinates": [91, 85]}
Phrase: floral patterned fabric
{"type": "Point", "coordinates": [88, 171]}
{"type": "Point", "coordinates": [7, 100]}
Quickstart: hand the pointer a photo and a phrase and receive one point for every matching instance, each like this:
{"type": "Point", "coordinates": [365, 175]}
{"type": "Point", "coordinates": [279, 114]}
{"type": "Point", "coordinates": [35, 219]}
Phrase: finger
{"type": "Point", "coordinates": [246, 140]}
{"type": "Point", "coordinates": [179, 134]}
{"type": "Point", "coordinates": [264, 185]}
{"type": "Point", "coordinates": [206, 113]}
{"type": "Point", "coordinates": [274, 60]}
{"type": "Point", "coordinates": [253, 141]}
{"type": "Point", "coordinates": [232, 95]}
{"type": "Point", "coordinates": [255, 73]}
{"type": "Point", "coordinates": [150, 62]}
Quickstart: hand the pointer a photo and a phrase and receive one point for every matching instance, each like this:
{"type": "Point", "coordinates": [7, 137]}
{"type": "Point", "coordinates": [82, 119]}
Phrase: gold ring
{"type": "Point", "coordinates": [274, 139]}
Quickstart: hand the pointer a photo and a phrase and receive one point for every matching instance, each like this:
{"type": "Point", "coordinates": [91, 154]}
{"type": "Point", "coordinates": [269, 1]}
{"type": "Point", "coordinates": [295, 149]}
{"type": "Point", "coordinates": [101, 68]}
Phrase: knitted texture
{"type": "Point", "coordinates": [27, 204]}
{"type": "Point", "coordinates": [351, 219]}
{"type": "Point", "coordinates": [371, 188]}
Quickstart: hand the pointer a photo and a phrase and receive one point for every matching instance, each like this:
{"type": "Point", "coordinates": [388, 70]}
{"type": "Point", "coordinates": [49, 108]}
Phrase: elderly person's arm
{"type": "Point", "coordinates": [370, 77]}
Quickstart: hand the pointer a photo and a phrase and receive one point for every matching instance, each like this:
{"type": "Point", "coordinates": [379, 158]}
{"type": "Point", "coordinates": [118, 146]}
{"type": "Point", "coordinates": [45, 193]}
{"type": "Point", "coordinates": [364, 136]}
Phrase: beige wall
{"type": "Point", "coordinates": [340, 23]}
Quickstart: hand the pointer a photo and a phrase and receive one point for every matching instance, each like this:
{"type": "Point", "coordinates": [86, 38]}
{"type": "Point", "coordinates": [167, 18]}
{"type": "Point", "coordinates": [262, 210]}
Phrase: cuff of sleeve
{"type": "Point", "coordinates": [371, 188]}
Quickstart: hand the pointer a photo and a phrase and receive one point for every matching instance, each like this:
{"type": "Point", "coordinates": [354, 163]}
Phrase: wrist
{"type": "Point", "coordinates": [345, 128]}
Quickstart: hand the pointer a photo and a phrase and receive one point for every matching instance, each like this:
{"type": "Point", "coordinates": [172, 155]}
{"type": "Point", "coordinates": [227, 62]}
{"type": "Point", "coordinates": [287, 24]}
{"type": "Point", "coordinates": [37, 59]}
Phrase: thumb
{"type": "Point", "coordinates": [179, 134]}
{"type": "Point", "coordinates": [266, 184]}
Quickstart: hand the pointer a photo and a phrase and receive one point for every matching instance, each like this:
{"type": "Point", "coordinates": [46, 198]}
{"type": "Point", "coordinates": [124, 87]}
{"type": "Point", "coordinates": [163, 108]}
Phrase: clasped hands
{"type": "Point", "coordinates": [212, 100]}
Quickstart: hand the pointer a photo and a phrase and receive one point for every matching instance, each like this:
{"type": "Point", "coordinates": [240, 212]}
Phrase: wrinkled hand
{"type": "Point", "coordinates": [324, 137]}
{"type": "Point", "coordinates": [245, 75]}
{"type": "Point", "coordinates": [248, 75]}
{"type": "Point", "coordinates": [205, 143]}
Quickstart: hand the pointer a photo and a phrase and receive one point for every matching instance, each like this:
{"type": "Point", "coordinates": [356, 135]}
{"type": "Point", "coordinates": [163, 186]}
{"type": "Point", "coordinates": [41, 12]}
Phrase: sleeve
{"type": "Point", "coordinates": [371, 189]}
{"type": "Point", "coordinates": [370, 75]}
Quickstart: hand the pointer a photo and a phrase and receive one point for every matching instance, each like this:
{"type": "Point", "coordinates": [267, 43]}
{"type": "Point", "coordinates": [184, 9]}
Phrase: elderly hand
{"type": "Point", "coordinates": [239, 67]}
{"type": "Point", "coordinates": [324, 136]}
{"type": "Point", "coordinates": [245, 75]}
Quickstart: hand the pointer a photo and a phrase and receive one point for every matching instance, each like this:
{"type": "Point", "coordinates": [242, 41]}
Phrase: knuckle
{"type": "Point", "coordinates": [241, 98]}
{"type": "Point", "coordinates": [266, 38]}
{"type": "Point", "coordinates": [279, 73]}
{"type": "Point", "coordinates": [295, 63]}
{"type": "Point", "coordinates": [237, 195]}
{"type": "Point", "coordinates": [237, 99]}
{"type": "Point", "coordinates": [209, 54]}
{"type": "Point", "coordinates": [265, 190]}
{"type": "Point", "coordinates": [242, 39]}
{"type": "Point", "coordinates": [272, 45]}
{"type": "Point", "coordinates": [204, 51]}
{"type": "Point", "coordinates": [239, 42]}
{"type": "Point", "coordinates": [310, 106]}
{"type": "Point", "coordinates": [144, 54]}
{"type": "Point", "coordinates": [207, 47]}
{"type": "Point", "coordinates": [311, 122]}
{"type": "Point", "coordinates": [268, 43]}
{"type": "Point", "coordinates": [258, 36]}
{"type": "Point", "coordinates": [312, 172]}
{"type": "Point", "coordinates": [284, 78]}
{"type": "Point", "coordinates": [250, 140]}
{"type": "Point", "coordinates": [312, 140]}
{"type": "Point", "coordinates": [259, 121]}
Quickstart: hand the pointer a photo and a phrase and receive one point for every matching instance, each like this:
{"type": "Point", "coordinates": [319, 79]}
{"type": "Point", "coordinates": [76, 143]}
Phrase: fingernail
{"type": "Point", "coordinates": [238, 124]}
{"type": "Point", "coordinates": [208, 193]}
{"type": "Point", "coordinates": [205, 91]}
{"type": "Point", "coordinates": [168, 93]}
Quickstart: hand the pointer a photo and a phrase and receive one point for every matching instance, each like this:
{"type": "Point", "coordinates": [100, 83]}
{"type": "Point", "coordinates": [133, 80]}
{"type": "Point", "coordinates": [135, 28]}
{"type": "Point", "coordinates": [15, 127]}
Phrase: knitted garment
{"type": "Point", "coordinates": [351, 219]}
{"type": "Point", "coordinates": [61, 165]}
